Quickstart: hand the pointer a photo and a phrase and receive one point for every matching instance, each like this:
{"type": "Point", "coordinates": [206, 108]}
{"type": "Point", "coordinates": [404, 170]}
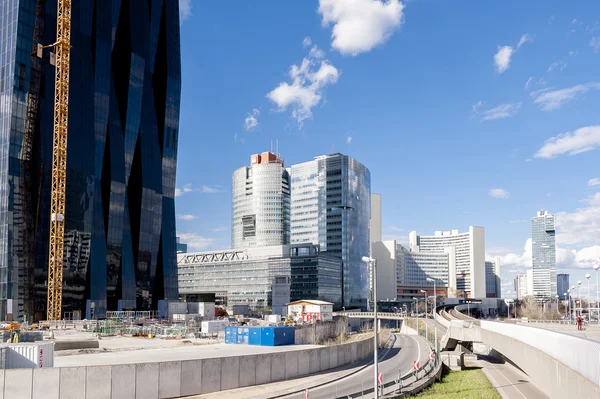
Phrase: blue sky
{"type": "Point", "coordinates": [466, 113]}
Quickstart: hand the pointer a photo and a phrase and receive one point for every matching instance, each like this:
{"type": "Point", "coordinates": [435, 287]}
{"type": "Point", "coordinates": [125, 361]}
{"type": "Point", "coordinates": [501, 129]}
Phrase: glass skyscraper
{"type": "Point", "coordinates": [125, 84]}
{"type": "Point", "coordinates": [562, 285]}
{"type": "Point", "coordinates": [331, 206]}
{"type": "Point", "coordinates": [260, 211]}
{"type": "Point", "coordinates": [543, 255]}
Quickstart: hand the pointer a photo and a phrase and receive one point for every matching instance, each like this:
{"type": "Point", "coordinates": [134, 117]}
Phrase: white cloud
{"type": "Point", "coordinates": [580, 227]}
{"type": "Point", "coordinates": [571, 143]}
{"type": "Point", "coordinates": [211, 189]}
{"type": "Point", "coordinates": [309, 79]}
{"type": "Point", "coordinates": [185, 9]}
{"type": "Point", "coordinates": [186, 217]}
{"type": "Point", "coordinates": [395, 229]}
{"type": "Point", "coordinates": [524, 39]}
{"type": "Point", "coordinates": [186, 188]}
{"type": "Point", "coordinates": [560, 65]}
{"type": "Point", "coordinates": [251, 121]}
{"type": "Point", "coordinates": [360, 25]}
{"type": "Point", "coordinates": [502, 58]}
{"type": "Point", "coordinates": [237, 138]}
{"type": "Point", "coordinates": [306, 42]}
{"type": "Point", "coordinates": [595, 43]}
{"type": "Point", "coordinates": [348, 139]}
{"type": "Point", "coordinates": [499, 193]}
{"type": "Point", "coordinates": [499, 112]}
{"type": "Point", "coordinates": [533, 81]}
{"type": "Point", "coordinates": [195, 241]}
{"type": "Point", "coordinates": [573, 53]}
{"type": "Point", "coordinates": [550, 100]}
{"type": "Point", "coordinates": [593, 182]}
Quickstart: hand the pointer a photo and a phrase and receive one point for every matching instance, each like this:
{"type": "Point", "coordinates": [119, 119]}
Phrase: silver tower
{"type": "Point", "coordinates": [260, 213]}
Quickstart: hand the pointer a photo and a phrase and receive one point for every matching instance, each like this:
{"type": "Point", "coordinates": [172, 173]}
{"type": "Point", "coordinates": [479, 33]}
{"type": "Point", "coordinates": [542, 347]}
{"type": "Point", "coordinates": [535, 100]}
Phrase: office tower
{"type": "Point", "coordinates": [562, 285]}
{"type": "Point", "coordinates": [543, 255]}
{"type": "Point", "coordinates": [469, 250]}
{"type": "Point", "coordinates": [331, 206]}
{"type": "Point", "coordinates": [122, 155]}
{"type": "Point", "coordinates": [260, 198]}
{"type": "Point", "coordinates": [402, 273]}
{"type": "Point", "coordinates": [492, 278]}
{"type": "Point", "coordinates": [520, 285]}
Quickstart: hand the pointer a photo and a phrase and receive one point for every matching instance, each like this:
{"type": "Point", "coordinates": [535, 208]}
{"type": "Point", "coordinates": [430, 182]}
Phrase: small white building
{"type": "Point", "coordinates": [309, 310]}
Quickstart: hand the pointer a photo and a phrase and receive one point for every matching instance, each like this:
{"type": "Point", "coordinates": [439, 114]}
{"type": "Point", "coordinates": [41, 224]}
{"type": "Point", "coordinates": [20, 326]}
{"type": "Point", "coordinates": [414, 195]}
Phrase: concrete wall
{"type": "Point", "coordinates": [175, 379]}
{"type": "Point", "coordinates": [312, 334]}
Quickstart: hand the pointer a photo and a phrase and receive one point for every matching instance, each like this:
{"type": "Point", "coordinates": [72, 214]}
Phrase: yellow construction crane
{"type": "Point", "coordinates": [62, 47]}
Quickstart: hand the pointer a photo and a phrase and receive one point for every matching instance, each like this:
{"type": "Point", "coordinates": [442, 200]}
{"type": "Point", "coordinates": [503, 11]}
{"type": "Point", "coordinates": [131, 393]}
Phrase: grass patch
{"type": "Point", "coordinates": [466, 384]}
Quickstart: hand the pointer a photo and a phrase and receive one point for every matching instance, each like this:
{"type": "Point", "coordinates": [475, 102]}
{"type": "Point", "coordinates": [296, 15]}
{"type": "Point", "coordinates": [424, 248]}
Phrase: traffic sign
{"type": "Point", "coordinates": [416, 365]}
{"type": "Point", "coordinates": [306, 394]}
{"type": "Point", "coordinates": [430, 355]}
{"type": "Point", "coordinates": [379, 379]}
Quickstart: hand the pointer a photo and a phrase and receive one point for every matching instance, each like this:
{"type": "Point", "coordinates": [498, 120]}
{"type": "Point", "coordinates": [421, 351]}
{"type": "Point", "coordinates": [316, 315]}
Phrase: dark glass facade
{"type": "Point", "coordinates": [125, 84]}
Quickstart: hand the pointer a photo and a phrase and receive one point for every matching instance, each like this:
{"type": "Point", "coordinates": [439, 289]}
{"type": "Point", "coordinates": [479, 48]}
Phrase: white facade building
{"type": "Point", "coordinates": [403, 273]}
{"type": "Point", "coordinates": [524, 284]}
{"type": "Point", "coordinates": [310, 310]}
{"type": "Point", "coordinates": [469, 256]}
{"type": "Point", "coordinates": [260, 199]}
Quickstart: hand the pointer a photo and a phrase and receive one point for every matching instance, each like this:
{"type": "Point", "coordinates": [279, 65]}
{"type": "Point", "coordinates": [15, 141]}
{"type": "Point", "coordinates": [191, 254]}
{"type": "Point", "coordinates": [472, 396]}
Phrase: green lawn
{"type": "Point", "coordinates": [467, 384]}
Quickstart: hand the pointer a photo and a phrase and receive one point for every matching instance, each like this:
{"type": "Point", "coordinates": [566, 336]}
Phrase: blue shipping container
{"type": "Point", "coordinates": [276, 336]}
{"type": "Point", "coordinates": [254, 335]}
{"type": "Point", "coordinates": [231, 335]}
{"type": "Point", "coordinates": [242, 335]}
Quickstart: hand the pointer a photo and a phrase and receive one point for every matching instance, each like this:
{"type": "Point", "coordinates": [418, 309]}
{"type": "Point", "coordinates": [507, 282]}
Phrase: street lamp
{"type": "Point", "coordinates": [596, 267]}
{"type": "Point", "coordinates": [373, 263]}
{"type": "Point", "coordinates": [569, 305]}
{"type": "Point", "coordinates": [587, 276]}
{"type": "Point", "coordinates": [431, 280]}
{"type": "Point", "coordinates": [579, 292]}
{"type": "Point", "coordinates": [425, 300]}
{"type": "Point", "coordinates": [434, 310]}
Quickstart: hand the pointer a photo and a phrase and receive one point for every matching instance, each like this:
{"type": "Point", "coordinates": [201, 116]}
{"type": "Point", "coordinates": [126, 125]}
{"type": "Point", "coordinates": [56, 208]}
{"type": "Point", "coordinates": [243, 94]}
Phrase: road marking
{"type": "Point", "coordinates": [510, 383]}
{"type": "Point", "coordinates": [418, 351]}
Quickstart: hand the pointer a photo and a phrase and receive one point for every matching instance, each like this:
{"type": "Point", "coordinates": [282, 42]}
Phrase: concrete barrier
{"type": "Point", "coordinates": [161, 380]}
{"type": "Point", "coordinates": [72, 344]}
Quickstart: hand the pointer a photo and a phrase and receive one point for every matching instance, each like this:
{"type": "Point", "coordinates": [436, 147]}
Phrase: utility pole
{"type": "Point", "coordinates": [372, 263]}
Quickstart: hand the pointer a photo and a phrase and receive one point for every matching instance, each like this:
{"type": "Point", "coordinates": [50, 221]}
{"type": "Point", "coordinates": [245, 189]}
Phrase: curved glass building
{"type": "Point", "coordinates": [260, 215]}
{"type": "Point", "coordinates": [125, 84]}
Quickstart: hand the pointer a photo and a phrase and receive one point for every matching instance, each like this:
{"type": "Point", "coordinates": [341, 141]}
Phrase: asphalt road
{"type": "Point", "coordinates": [399, 359]}
{"type": "Point", "coordinates": [510, 382]}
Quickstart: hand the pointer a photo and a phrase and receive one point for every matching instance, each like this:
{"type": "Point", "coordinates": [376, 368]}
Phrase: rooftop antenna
{"type": "Point", "coordinates": [277, 147]}
{"type": "Point", "coordinates": [271, 150]}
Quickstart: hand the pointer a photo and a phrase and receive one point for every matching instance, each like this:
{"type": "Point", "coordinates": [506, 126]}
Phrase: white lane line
{"type": "Point", "coordinates": [511, 384]}
{"type": "Point", "coordinates": [418, 351]}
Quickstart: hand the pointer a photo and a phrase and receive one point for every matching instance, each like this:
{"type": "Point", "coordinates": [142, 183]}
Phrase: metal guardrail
{"type": "Point", "coordinates": [369, 315]}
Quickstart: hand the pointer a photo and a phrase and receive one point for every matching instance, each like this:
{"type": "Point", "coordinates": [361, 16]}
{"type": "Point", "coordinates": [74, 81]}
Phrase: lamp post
{"type": "Point", "coordinates": [434, 310]}
{"type": "Point", "coordinates": [573, 308]}
{"type": "Point", "coordinates": [569, 305]}
{"type": "Point", "coordinates": [373, 263]}
{"type": "Point", "coordinates": [596, 267]}
{"type": "Point", "coordinates": [587, 276]}
{"type": "Point", "coordinates": [425, 300]}
{"type": "Point", "coordinates": [579, 292]}
{"type": "Point", "coordinates": [557, 298]}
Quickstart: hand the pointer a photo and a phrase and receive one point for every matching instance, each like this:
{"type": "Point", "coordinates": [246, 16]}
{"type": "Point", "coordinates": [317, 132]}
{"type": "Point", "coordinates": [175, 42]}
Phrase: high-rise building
{"type": "Point", "coordinates": [331, 206]}
{"type": "Point", "coordinates": [520, 284]}
{"type": "Point", "coordinates": [562, 285]}
{"type": "Point", "coordinates": [492, 278]}
{"type": "Point", "coordinates": [543, 258]}
{"type": "Point", "coordinates": [469, 252]}
{"type": "Point", "coordinates": [402, 273]}
{"type": "Point", "coordinates": [125, 83]}
{"type": "Point", "coordinates": [260, 213]}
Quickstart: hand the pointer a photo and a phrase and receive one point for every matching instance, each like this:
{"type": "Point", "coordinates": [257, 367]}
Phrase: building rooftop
{"type": "Point", "coordinates": [310, 302]}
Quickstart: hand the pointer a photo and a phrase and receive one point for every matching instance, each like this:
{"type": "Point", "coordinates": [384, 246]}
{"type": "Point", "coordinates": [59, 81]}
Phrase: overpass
{"type": "Point", "coordinates": [369, 315]}
{"type": "Point", "coordinates": [562, 365]}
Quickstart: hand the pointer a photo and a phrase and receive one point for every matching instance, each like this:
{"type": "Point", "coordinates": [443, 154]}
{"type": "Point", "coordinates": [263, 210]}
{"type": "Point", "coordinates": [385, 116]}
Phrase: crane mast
{"type": "Point", "coordinates": [62, 47]}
